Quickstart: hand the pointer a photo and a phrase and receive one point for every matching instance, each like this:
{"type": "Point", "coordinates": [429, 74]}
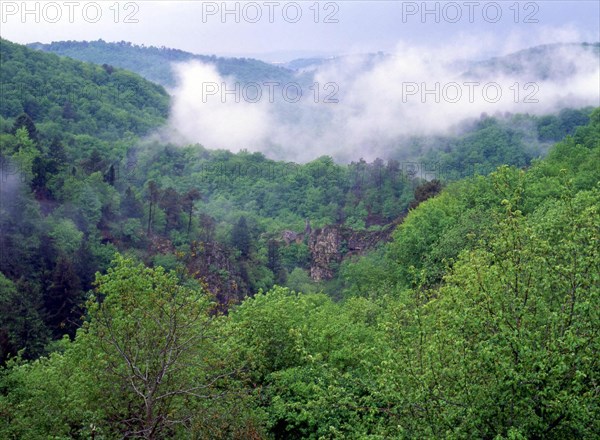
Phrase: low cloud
{"type": "Point", "coordinates": [199, 114]}
{"type": "Point", "coordinates": [381, 100]}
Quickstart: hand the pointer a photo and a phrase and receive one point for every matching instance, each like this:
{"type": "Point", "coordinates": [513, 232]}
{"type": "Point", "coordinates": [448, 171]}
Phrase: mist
{"type": "Point", "coordinates": [369, 105]}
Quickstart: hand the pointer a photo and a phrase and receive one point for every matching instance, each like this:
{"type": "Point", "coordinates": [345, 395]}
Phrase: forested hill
{"type": "Point", "coordinates": [181, 292]}
{"type": "Point", "coordinates": [480, 320]}
{"type": "Point", "coordinates": [65, 95]}
{"type": "Point", "coordinates": [549, 61]}
{"type": "Point", "coordinates": [154, 63]}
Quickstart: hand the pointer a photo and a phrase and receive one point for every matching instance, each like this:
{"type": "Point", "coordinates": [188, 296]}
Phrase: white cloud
{"type": "Point", "coordinates": [202, 112]}
{"type": "Point", "coordinates": [380, 102]}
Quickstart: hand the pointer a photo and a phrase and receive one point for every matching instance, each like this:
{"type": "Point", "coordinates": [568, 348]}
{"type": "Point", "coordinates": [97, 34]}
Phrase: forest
{"type": "Point", "coordinates": [151, 290]}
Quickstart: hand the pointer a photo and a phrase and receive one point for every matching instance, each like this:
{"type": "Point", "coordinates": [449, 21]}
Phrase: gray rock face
{"type": "Point", "coordinates": [330, 245]}
{"type": "Point", "coordinates": [325, 249]}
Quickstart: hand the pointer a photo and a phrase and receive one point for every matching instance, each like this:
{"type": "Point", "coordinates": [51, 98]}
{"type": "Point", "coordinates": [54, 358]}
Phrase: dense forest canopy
{"type": "Point", "coordinates": [152, 290]}
{"type": "Point", "coordinates": [154, 63]}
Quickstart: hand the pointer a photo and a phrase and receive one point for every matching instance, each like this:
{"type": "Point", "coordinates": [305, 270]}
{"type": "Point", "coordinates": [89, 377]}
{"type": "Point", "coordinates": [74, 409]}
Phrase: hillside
{"type": "Point", "coordinates": [540, 63]}
{"type": "Point", "coordinates": [487, 297]}
{"type": "Point", "coordinates": [170, 291]}
{"type": "Point", "coordinates": [154, 63]}
{"type": "Point", "coordinates": [179, 205]}
{"type": "Point", "coordinates": [77, 97]}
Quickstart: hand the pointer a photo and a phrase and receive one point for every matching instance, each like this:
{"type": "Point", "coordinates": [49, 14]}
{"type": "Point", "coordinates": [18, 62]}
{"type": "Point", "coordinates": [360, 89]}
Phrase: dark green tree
{"type": "Point", "coordinates": [68, 112]}
{"type": "Point", "coordinates": [274, 262]}
{"type": "Point", "coordinates": [425, 191]}
{"type": "Point", "coordinates": [63, 300]}
{"type": "Point", "coordinates": [207, 227]}
{"type": "Point", "coordinates": [109, 176]}
{"type": "Point", "coordinates": [240, 237]}
{"type": "Point", "coordinates": [188, 204]}
{"type": "Point", "coordinates": [24, 120]}
{"type": "Point", "coordinates": [21, 326]}
{"type": "Point", "coordinates": [94, 163]}
{"type": "Point", "coordinates": [131, 207]}
{"type": "Point", "coordinates": [153, 197]}
{"type": "Point", "coordinates": [170, 203]}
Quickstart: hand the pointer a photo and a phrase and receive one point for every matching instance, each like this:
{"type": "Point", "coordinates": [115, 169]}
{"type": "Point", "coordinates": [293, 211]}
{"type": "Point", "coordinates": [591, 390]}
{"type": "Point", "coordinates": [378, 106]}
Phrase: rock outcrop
{"type": "Point", "coordinates": [330, 245]}
{"type": "Point", "coordinates": [211, 263]}
{"type": "Point", "coordinates": [326, 251]}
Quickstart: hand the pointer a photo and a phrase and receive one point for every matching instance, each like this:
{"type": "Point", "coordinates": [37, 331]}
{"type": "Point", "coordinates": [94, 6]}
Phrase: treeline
{"type": "Point", "coordinates": [480, 320]}
{"type": "Point", "coordinates": [494, 140]}
{"type": "Point", "coordinates": [154, 63]}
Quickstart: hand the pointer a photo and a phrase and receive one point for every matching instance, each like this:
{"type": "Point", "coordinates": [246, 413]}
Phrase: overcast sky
{"type": "Point", "coordinates": [279, 31]}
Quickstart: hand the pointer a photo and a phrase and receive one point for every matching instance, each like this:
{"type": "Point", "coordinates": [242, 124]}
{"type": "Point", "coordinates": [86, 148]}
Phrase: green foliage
{"type": "Point", "coordinates": [21, 328]}
{"type": "Point", "coordinates": [149, 327]}
{"type": "Point", "coordinates": [66, 237]}
{"type": "Point", "coordinates": [154, 63]}
{"type": "Point", "coordinates": [493, 141]}
{"type": "Point", "coordinates": [63, 299]}
{"type": "Point", "coordinates": [478, 320]}
{"type": "Point", "coordinates": [45, 398]}
{"type": "Point", "coordinates": [149, 362]}
{"type": "Point", "coordinates": [25, 155]}
{"type": "Point", "coordinates": [99, 104]}
{"type": "Point", "coordinates": [507, 347]}
{"type": "Point", "coordinates": [299, 280]}
{"type": "Point", "coordinates": [313, 358]}
{"type": "Point", "coordinates": [240, 237]}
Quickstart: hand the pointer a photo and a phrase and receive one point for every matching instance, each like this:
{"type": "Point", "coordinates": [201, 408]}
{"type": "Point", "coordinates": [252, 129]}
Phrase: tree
{"type": "Point", "coordinates": [274, 262]}
{"type": "Point", "coordinates": [312, 361]}
{"type": "Point", "coordinates": [207, 226]}
{"type": "Point", "coordinates": [26, 154]}
{"type": "Point", "coordinates": [110, 176]}
{"type": "Point", "coordinates": [42, 169]}
{"type": "Point", "coordinates": [425, 191]}
{"type": "Point", "coordinates": [25, 121]}
{"type": "Point", "coordinates": [153, 196]}
{"type": "Point", "coordinates": [94, 163]}
{"type": "Point", "coordinates": [170, 202]}
{"type": "Point", "coordinates": [90, 205]}
{"type": "Point", "coordinates": [240, 237]}
{"type": "Point", "coordinates": [299, 281]}
{"type": "Point", "coordinates": [188, 204]}
{"type": "Point", "coordinates": [507, 348]}
{"type": "Point", "coordinates": [66, 238]}
{"type": "Point", "coordinates": [156, 343]}
{"type": "Point", "coordinates": [131, 207]}
{"type": "Point", "coordinates": [21, 326]}
{"type": "Point", "coordinates": [63, 300]}
{"type": "Point", "coordinates": [68, 112]}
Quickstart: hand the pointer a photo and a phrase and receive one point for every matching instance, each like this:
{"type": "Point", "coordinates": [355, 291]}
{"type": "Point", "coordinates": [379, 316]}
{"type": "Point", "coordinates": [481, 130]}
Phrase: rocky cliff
{"type": "Point", "coordinates": [331, 244]}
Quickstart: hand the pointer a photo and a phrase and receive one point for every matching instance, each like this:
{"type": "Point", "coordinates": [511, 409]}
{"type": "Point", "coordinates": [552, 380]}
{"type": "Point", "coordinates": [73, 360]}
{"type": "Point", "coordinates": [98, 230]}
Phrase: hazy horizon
{"type": "Point", "coordinates": [376, 102]}
{"type": "Point", "coordinates": [282, 31]}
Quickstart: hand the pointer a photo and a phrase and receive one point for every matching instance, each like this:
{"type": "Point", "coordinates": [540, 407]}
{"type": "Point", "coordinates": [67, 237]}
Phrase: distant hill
{"type": "Point", "coordinates": [77, 97]}
{"type": "Point", "coordinates": [365, 61]}
{"type": "Point", "coordinates": [544, 62]}
{"type": "Point", "coordinates": [539, 62]}
{"type": "Point", "coordinates": [154, 63]}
